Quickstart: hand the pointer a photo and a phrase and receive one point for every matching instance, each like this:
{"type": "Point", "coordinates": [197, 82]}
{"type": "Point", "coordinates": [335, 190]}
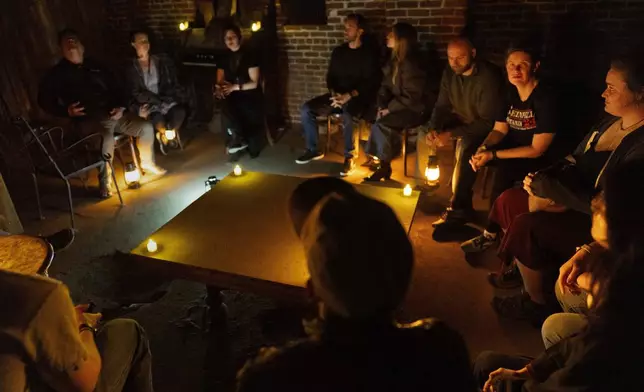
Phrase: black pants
{"type": "Point", "coordinates": [385, 139]}
{"type": "Point", "coordinates": [509, 172]}
{"type": "Point", "coordinates": [489, 361]}
{"type": "Point", "coordinates": [171, 120]}
{"type": "Point", "coordinates": [464, 177]}
{"type": "Point", "coordinates": [243, 117]}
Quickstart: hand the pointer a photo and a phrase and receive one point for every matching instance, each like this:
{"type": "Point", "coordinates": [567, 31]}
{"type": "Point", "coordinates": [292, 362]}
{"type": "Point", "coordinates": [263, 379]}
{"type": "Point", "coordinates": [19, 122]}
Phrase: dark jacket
{"type": "Point", "coordinates": [588, 363]}
{"type": "Point", "coordinates": [409, 92]}
{"type": "Point", "coordinates": [475, 100]}
{"type": "Point", "coordinates": [169, 88]}
{"type": "Point", "coordinates": [423, 356]}
{"type": "Point", "coordinates": [90, 84]}
{"type": "Point", "coordinates": [561, 182]}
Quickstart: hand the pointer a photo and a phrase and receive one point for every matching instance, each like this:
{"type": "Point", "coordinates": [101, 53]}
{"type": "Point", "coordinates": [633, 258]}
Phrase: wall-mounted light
{"type": "Point", "coordinates": [256, 26]}
{"type": "Point", "coordinates": [132, 176]}
{"type": "Point", "coordinates": [183, 26]}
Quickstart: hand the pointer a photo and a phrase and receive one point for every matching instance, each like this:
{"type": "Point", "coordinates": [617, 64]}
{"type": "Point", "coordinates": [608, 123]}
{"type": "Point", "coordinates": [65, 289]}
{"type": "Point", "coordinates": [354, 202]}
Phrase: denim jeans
{"type": "Point", "coordinates": [386, 140]}
{"type": "Point", "coordinates": [125, 355]}
{"type": "Point", "coordinates": [321, 106]}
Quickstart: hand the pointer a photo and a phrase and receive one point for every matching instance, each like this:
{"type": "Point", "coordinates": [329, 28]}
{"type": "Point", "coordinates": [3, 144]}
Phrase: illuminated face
{"type": "Point", "coordinates": [391, 40]}
{"type": "Point", "coordinates": [618, 99]}
{"type": "Point", "coordinates": [73, 49]}
{"type": "Point", "coordinates": [351, 30]}
{"type": "Point", "coordinates": [141, 44]}
{"type": "Point", "coordinates": [521, 69]}
{"type": "Point", "coordinates": [460, 57]}
{"type": "Point", "coordinates": [231, 40]}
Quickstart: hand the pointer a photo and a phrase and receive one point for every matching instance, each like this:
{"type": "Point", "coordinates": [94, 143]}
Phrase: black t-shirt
{"type": "Point", "coordinates": [236, 65]}
{"type": "Point", "coordinates": [525, 119]}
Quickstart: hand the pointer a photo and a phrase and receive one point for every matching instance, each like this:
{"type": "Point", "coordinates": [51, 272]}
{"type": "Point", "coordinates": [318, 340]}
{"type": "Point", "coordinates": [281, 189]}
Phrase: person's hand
{"type": "Point", "coordinates": [527, 183]}
{"type": "Point", "coordinates": [82, 317]}
{"type": "Point", "coordinates": [228, 88]}
{"type": "Point", "coordinates": [431, 137]}
{"type": "Point", "coordinates": [341, 99]}
{"type": "Point", "coordinates": [144, 111]}
{"type": "Point", "coordinates": [443, 138]}
{"type": "Point", "coordinates": [503, 374]}
{"type": "Point", "coordinates": [116, 113]}
{"type": "Point", "coordinates": [76, 110]}
{"type": "Point", "coordinates": [480, 159]}
{"type": "Point", "coordinates": [571, 270]}
{"type": "Point", "coordinates": [382, 113]}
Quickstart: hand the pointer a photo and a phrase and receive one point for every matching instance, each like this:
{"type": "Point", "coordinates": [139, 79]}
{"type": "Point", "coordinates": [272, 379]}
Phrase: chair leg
{"type": "Point", "coordinates": [71, 203]}
{"type": "Point", "coordinates": [404, 152]}
{"type": "Point", "coordinates": [35, 179]}
{"type": "Point", "coordinates": [329, 123]}
{"type": "Point", "coordinates": [116, 185]}
{"type": "Point", "coordinates": [135, 157]}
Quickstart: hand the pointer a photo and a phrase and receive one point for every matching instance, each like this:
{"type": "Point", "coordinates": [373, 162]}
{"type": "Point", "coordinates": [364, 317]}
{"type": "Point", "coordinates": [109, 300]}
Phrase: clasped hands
{"type": "Point", "coordinates": [223, 89]}
{"type": "Point", "coordinates": [339, 100]}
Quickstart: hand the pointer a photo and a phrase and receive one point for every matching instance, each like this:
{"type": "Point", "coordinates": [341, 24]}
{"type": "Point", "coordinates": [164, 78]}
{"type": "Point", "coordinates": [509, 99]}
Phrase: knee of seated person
{"type": "Point", "coordinates": [305, 110]}
{"type": "Point", "coordinates": [147, 128]}
{"type": "Point", "coordinates": [487, 361]}
{"type": "Point", "coordinates": [555, 328]}
{"type": "Point", "coordinates": [122, 329]}
{"type": "Point", "coordinates": [510, 195]}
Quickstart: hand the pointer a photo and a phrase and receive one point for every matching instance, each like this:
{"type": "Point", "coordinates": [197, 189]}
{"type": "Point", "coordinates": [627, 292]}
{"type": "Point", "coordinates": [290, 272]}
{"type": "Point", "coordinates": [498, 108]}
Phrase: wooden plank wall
{"type": "Point", "coordinates": [28, 32]}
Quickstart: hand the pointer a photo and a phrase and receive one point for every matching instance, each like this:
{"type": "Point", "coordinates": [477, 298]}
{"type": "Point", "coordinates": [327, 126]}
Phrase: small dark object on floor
{"type": "Point", "coordinates": [61, 240]}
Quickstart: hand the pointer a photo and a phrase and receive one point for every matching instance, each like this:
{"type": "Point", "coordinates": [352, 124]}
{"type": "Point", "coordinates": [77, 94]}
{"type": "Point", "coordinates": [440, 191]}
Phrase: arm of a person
{"type": "Point", "coordinates": [66, 359]}
{"type": "Point", "coordinates": [489, 102]}
{"type": "Point", "coordinates": [443, 106]}
{"type": "Point", "coordinates": [253, 74]}
{"type": "Point", "coordinates": [497, 134]}
{"type": "Point", "coordinates": [221, 77]}
{"type": "Point", "coordinates": [413, 87]}
{"type": "Point", "coordinates": [384, 93]}
{"type": "Point", "coordinates": [540, 144]}
{"type": "Point", "coordinates": [332, 71]}
{"type": "Point", "coordinates": [551, 360]}
{"type": "Point", "coordinates": [48, 98]}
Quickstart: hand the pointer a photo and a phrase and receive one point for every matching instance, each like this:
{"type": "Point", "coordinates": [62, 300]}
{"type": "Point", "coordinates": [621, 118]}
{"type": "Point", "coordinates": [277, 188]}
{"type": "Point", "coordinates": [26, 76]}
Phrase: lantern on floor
{"type": "Point", "coordinates": [432, 171]}
{"type": "Point", "coordinates": [170, 134]}
{"type": "Point", "coordinates": [132, 176]}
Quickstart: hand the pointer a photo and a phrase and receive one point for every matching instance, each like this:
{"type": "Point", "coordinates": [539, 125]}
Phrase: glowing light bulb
{"type": "Point", "coordinates": [432, 174]}
{"type": "Point", "coordinates": [256, 26]}
{"type": "Point", "coordinates": [183, 26]}
{"type": "Point", "coordinates": [152, 246]}
{"type": "Point", "coordinates": [407, 190]}
{"type": "Point", "coordinates": [170, 134]}
{"type": "Point", "coordinates": [237, 170]}
{"type": "Point", "coordinates": [132, 175]}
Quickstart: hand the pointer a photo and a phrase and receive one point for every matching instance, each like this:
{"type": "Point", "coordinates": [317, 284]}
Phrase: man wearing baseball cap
{"type": "Point", "coordinates": [359, 279]}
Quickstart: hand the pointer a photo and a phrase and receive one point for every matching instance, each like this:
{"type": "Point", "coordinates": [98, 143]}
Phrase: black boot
{"type": "Point", "coordinates": [384, 171]}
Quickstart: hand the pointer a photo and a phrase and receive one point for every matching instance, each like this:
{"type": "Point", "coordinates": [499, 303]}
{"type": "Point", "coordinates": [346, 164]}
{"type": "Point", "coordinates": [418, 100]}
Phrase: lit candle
{"type": "Point", "coordinates": [237, 170]}
{"type": "Point", "coordinates": [407, 190]}
{"type": "Point", "coordinates": [152, 246]}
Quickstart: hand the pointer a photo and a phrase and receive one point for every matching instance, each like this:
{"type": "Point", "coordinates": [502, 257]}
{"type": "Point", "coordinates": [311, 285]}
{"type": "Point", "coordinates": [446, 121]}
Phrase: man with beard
{"type": "Point", "coordinates": [84, 91]}
{"type": "Point", "coordinates": [468, 102]}
{"type": "Point", "coordinates": [353, 79]}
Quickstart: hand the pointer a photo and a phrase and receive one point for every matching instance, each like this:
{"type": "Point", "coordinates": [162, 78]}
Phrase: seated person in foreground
{"type": "Point", "coordinates": [607, 354]}
{"type": "Point", "coordinates": [547, 220]}
{"type": "Point", "coordinates": [355, 345]}
{"type": "Point", "coordinates": [401, 100]}
{"type": "Point", "coordinates": [154, 87]}
{"type": "Point", "coordinates": [238, 89]}
{"type": "Point", "coordinates": [84, 91]}
{"type": "Point", "coordinates": [353, 78]}
{"type": "Point", "coordinates": [468, 102]}
{"type": "Point", "coordinates": [48, 344]}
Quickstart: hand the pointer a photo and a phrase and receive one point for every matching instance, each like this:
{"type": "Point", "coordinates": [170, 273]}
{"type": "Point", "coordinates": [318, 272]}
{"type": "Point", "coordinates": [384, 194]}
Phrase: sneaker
{"type": "Point", "coordinates": [478, 244]}
{"type": "Point", "coordinates": [452, 217]}
{"type": "Point", "coordinates": [153, 169]}
{"type": "Point", "coordinates": [236, 147]}
{"type": "Point", "coordinates": [309, 156]}
{"type": "Point", "coordinates": [521, 307]}
{"type": "Point", "coordinates": [348, 167]}
{"type": "Point", "coordinates": [508, 279]}
{"type": "Point", "coordinates": [372, 163]}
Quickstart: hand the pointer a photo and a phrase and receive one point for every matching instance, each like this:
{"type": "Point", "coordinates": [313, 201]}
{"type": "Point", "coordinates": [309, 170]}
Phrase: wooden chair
{"type": "Point", "coordinates": [335, 119]}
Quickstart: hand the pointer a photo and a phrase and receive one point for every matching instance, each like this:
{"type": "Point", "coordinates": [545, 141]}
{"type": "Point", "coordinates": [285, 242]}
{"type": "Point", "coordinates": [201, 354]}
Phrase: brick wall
{"type": "Point", "coordinates": [578, 35]}
{"type": "Point", "coordinates": [305, 50]}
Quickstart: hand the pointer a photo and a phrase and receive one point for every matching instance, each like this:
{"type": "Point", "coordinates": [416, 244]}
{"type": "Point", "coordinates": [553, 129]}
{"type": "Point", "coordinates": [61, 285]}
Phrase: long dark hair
{"type": "Point", "coordinates": [631, 64]}
{"type": "Point", "coordinates": [407, 43]}
{"type": "Point", "coordinates": [620, 298]}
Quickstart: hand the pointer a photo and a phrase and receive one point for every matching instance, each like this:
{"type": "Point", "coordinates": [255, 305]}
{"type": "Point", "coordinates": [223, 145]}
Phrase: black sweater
{"type": "Point", "coordinates": [354, 69]}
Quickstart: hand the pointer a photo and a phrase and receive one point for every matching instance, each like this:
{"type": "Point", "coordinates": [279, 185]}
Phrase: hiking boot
{"type": "Point", "coordinates": [309, 156]}
{"type": "Point", "coordinates": [478, 244]}
{"type": "Point", "coordinates": [348, 167]}
{"type": "Point", "coordinates": [508, 279]}
{"type": "Point", "coordinates": [372, 163]}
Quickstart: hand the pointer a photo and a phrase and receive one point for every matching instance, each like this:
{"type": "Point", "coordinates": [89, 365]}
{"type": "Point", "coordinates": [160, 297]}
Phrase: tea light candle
{"type": "Point", "coordinates": [407, 190]}
{"type": "Point", "coordinates": [237, 170]}
{"type": "Point", "coordinates": [152, 246]}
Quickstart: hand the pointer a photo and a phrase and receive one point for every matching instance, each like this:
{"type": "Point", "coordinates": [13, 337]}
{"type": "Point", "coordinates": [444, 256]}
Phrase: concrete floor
{"type": "Point", "coordinates": [444, 286]}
